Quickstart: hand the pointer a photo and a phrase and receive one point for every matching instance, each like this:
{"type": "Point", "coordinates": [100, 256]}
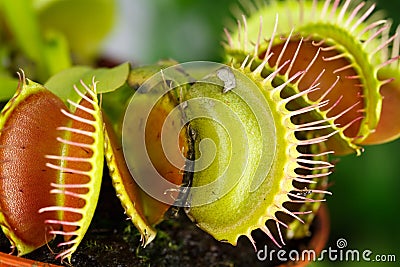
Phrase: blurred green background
{"type": "Point", "coordinates": [364, 207]}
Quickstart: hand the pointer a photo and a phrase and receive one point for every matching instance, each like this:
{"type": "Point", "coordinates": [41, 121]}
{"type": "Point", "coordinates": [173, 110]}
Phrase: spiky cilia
{"type": "Point", "coordinates": [80, 169]}
{"type": "Point", "coordinates": [242, 208]}
{"type": "Point", "coordinates": [350, 41]}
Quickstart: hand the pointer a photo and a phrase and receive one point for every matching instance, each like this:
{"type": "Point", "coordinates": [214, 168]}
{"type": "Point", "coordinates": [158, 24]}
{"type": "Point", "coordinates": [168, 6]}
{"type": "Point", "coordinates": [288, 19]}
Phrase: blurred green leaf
{"type": "Point", "coordinates": [56, 51]}
{"type": "Point", "coordinates": [21, 19]}
{"type": "Point", "coordinates": [49, 51]}
{"type": "Point", "coordinates": [84, 23]}
{"type": "Point", "coordinates": [47, 31]}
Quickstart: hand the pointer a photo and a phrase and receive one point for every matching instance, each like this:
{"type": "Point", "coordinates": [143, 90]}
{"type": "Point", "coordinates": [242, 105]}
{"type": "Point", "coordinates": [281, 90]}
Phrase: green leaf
{"type": "Point", "coordinates": [139, 75]}
{"type": "Point", "coordinates": [56, 52]}
{"type": "Point", "coordinates": [109, 79]}
{"type": "Point", "coordinates": [62, 84]}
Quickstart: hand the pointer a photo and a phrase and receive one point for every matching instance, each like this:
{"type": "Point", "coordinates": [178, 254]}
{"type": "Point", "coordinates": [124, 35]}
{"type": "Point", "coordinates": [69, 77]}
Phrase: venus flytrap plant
{"type": "Point", "coordinates": [144, 211]}
{"type": "Point", "coordinates": [61, 180]}
{"type": "Point", "coordinates": [75, 167]}
{"type": "Point", "coordinates": [243, 197]}
{"type": "Point", "coordinates": [388, 127]}
{"type": "Point", "coordinates": [338, 45]}
{"type": "Point", "coordinates": [127, 191]}
{"type": "Point", "coordinates": [350, 50]}
{"type": "Point", "coordinates": [80, 167]}
{"type": "Point", "coordinates": [307, 200]}
{"type": "Point", "coordinates": [71, 164]}
{"type": "Point", "coordinates": [26, 182]}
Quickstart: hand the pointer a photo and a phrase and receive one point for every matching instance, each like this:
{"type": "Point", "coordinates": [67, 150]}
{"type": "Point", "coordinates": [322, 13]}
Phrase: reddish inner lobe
{"type": "Point", "coordinates": [154, 209]}
{"type": "Point", "coordinates": [347, 87]}
{"type": "Point", "coordinates": [28, 135]}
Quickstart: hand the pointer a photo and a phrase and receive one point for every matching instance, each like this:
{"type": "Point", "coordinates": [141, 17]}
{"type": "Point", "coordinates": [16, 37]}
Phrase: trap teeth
{"type": "Point", "coordinates": [237, 194]}
{"type": "Point", "coordinates": [353, 42]}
